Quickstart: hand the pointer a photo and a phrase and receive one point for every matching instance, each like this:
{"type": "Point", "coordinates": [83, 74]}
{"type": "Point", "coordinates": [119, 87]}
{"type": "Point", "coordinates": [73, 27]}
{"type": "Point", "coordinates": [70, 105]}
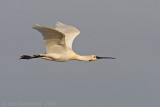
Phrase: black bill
{"type": "Point", "coordinates": [104, 57]}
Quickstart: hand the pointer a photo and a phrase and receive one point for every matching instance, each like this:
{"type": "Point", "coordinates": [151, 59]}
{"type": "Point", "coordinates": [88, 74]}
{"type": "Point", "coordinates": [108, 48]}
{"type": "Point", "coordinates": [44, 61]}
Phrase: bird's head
{"type": "Point", "coordinates": [94, 58]}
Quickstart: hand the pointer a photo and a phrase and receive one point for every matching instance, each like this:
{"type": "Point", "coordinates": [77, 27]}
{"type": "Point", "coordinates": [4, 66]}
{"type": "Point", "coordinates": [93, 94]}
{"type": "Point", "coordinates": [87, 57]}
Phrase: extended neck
{"type": "Point", "coordinates": [80, 58]}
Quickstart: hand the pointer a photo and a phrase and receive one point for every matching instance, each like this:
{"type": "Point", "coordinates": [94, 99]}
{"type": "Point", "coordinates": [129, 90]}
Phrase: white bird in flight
{"type": "Point", "coordinates": [58, 42]}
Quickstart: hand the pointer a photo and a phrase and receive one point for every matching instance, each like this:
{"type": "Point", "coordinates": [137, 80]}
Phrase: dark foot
{"type": "Point", "coordinates": [26, 57]}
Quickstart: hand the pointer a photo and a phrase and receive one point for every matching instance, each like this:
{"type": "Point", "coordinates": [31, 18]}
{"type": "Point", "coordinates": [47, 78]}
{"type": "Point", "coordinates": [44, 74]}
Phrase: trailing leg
{"type": "Point", "coordinates": [27, 57]}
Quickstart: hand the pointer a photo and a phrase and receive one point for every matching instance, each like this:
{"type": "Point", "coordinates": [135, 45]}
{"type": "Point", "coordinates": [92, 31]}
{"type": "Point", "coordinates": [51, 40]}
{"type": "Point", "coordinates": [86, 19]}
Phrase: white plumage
{"type": "Point", "coordinates": [70, 33]}
{"type": "Point", "coordinates": [58, 42]}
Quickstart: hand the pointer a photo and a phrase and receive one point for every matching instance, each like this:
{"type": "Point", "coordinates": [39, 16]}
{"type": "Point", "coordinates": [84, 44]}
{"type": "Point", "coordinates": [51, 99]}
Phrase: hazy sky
{"type": "Point", "coordinates": [125, 29]}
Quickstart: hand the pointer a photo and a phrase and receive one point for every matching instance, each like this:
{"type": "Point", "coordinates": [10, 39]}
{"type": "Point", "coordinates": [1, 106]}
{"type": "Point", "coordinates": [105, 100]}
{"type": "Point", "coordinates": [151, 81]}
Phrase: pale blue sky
{"type": "Point", "coordinates": [125, 29]}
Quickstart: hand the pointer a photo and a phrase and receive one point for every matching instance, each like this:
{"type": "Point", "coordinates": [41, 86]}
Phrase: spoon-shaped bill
{"type": "Point", "coordinates": [98, 57]}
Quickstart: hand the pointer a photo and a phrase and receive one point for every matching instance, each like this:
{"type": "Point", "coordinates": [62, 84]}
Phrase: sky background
{"type": "Point", "coordinates": [126, 29]}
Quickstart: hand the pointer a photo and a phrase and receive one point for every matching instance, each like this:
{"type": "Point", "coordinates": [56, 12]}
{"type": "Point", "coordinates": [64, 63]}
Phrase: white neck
{"type": "Point", "coordinates": [80, 58]}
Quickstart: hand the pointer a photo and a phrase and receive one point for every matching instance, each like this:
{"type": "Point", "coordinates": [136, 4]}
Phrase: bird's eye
{"type": "Point", "coordinates": [94, 56]}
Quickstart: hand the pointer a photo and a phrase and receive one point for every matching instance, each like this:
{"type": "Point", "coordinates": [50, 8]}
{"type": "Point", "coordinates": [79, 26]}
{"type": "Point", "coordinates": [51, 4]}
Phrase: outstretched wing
{"type": "Point", "coordinates": [70, 33]}
{"type": "Point", "coordinates": [51, 37]}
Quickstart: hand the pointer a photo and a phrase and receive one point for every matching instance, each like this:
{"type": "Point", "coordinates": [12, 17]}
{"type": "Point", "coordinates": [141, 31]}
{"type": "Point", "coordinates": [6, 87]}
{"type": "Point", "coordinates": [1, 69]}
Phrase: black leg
{"type": "Point", "coordinates": [27, 57]}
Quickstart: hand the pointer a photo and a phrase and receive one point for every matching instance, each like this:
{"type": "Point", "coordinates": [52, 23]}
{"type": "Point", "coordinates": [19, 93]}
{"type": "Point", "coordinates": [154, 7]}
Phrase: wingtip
{"type": "Point", "coordinates": [59, 23]}
{"type": "Point", "coordinates": [36, 26]}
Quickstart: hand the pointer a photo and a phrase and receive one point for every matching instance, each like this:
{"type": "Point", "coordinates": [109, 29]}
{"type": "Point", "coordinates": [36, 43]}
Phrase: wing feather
{"type": "Point", "coordinates": [52, 37]}
{"type": "Point", "coordinates": [70, 33]}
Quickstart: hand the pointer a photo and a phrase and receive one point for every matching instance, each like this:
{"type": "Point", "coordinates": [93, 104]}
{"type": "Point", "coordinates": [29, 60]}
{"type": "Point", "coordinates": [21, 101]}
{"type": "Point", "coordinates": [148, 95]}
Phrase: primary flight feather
{"type": "Point", "coordinates": [58, 42]}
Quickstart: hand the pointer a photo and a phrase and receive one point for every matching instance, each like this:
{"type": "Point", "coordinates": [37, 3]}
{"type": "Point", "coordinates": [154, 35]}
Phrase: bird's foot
{"type": "Point", "coordinates": [27, 57]}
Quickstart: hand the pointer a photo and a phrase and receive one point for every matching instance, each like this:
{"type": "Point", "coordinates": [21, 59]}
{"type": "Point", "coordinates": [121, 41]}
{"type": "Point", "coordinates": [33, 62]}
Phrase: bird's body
{"type": "Point", "coordinates": [58, 42]}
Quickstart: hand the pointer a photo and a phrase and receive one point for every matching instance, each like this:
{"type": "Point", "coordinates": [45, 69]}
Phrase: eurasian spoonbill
{"type": "Point", "coordinates": [58, 42]}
